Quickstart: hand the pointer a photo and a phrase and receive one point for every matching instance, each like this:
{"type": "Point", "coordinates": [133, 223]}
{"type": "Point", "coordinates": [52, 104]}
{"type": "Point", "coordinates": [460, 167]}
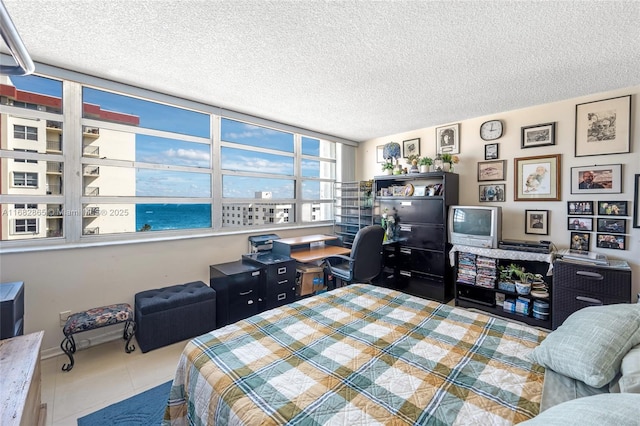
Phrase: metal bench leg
{"type": "Point", "coordinates": [129, 331]}
{"type": "Point", "coordinates": [68, 346]}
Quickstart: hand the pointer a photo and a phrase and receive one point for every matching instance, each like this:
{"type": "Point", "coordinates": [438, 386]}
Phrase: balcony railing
{"type": "Point", "coordinates": [54, 233]}
{"type": "Point", "coordinates": [54, 189]}
{"type": "Point", "coordinates": [54, 167]}
{"type": "Point", "coordinates": [91, 171]}
{"type": "Point", "coordinates": [91, 231]}
{"type": "Point", "coordinates": [91, 151]}
{"type": "Point", "coordinates": [54, 146]}
{"type": "Point", "coordinates": [91, 191]}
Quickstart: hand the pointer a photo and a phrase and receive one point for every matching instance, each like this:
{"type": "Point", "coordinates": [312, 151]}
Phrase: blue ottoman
{"type": "Point", "coordinates": [171, 314]}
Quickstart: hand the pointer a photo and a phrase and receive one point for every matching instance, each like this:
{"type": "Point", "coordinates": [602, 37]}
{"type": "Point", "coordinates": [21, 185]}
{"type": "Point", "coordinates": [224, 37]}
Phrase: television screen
{"type": "Point", "coordinates": [472, 221]}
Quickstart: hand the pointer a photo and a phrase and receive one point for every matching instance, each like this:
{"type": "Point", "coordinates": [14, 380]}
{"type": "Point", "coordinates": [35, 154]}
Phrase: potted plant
{"type": "Point", "coordinates": [425, 163]}
{"type": "Point", "coordinates": [387, 168]}
{"type": "Point", "coordinates": [446, 161]}
{"type": "Point", "coordinates": [413, 161]}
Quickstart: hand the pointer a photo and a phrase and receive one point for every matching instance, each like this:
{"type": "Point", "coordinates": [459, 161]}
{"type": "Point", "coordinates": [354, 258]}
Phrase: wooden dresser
{"type": "Point", "coordinates": [20, 402]}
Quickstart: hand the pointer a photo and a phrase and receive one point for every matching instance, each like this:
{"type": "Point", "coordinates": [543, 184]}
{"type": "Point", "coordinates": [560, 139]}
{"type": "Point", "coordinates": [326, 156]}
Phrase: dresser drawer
{"type": "Point", "coordinates": [416, 210]}
{"type": "Point", "coordinates": [432, 237]}
{"type": "Point", "coordinates": [424, 261]}
{"type": "Point", "coordinates": [591, 280]}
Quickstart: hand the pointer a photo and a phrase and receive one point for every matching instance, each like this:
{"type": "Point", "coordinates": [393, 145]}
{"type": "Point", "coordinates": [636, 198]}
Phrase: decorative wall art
{"type": "Point", "coordinates": [411, 147]}
{"type": "Point", "coordinates": [491, 170]}
{"type": "Point", "coordinates": [612, 208]}
{"type": "Point", "coordinates": [579, 241]}
{"type": "Point", "coordinates": [580, 207]}
{"type": "Point", "coordinates": [491, 151]}
{"type": "Point", "coordinates": [448, 139]}
{"type": "Point", "coordinates": [537, 178]}
{"type": "Point", "coordinates": [611, 241]}
{"type": "Point", "coordinates": [380, 154]}
{"type": "Point", "coordinates": [579, 223]}
{"type": "Point", "coordinates": [603, 179]}
{"type": "Point", "coordinates": [538, 135]}
{"type": "Point", "coordinates": [489, 193]}
{"type": "Point", "coordinates": [636, 200]}
{"type": "Point", "coordinates": [614, 226]}
{"type": "Point", "coordinates": [536, 222]}
{"type": "Point", "coordinates": [603, 127]}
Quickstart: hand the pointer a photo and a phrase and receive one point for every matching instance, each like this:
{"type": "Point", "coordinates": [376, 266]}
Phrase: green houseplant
{"type": "Point", "coordinates": [425, 163]}
{"type": "Point", "coordinates": [387, 168]}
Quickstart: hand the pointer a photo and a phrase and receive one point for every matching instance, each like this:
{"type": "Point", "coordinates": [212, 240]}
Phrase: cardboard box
{"type": "Point", "coordinates": [309, 280]}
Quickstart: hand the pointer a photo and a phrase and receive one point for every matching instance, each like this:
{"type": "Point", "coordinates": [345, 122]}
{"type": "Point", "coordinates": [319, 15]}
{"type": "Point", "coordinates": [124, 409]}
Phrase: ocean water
{"type": "Point", "coordinates": [173, 216]}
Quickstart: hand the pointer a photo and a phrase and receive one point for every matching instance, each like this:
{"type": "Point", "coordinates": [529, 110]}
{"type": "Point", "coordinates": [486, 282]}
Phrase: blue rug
{"type": "Point", "coordinates": [146, 408]}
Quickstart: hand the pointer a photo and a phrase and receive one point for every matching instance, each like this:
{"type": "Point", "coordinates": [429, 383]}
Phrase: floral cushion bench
{"type": "Point", "coordinates": [97, 318]}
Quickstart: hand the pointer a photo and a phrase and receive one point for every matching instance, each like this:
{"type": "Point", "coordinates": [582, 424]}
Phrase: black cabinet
{"type": "Point", "coordinates": [278, 286]}
{"type": "Point", "coordinates": [237, 287]}
{"type": "Point", "coordinates": [11, 309]}
{"type": "Point", "coordinates": [577, 286]}
{"type": "Point", "coordinates": [417, 263]}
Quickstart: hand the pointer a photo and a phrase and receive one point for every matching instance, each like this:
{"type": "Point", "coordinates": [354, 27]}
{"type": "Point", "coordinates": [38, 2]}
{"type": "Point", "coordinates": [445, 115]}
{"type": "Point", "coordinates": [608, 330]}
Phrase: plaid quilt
{"type": "Point", "coordinates": [359, 355]}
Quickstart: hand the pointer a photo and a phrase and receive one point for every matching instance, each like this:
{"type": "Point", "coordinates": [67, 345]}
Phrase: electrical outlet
{"type": "Point", "coordinates": [63, 317]}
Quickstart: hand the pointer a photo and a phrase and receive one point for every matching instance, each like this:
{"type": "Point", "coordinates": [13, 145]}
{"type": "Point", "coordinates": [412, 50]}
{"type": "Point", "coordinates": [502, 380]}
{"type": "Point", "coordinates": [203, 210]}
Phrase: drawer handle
{"type": "Point", "coordinates": [246, 292]}
{"type": "Point", "coordinates": [282, 270]}
{"type": "Point", "coordinates": [589, 300]}
{"type": "Point", "coordinates": [405, 251]}
{"type": "Point", "coordinates": [405, 228]}
{"type": "Point", "coordinates": [282, 296]}
{"type": "Point", "coordinates": [283, 281]}
{"type": "Point", "coordinates": [589, 274]}
{"type": "Point", "coordinates": [405, 273]}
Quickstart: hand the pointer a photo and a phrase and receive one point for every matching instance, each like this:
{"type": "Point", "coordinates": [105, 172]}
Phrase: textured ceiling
{"type": "Point", "coordinates": [353, 69]}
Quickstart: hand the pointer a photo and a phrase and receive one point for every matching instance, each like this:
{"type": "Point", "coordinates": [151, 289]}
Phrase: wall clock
{"type": "Point", "coordinates": [491, 130]}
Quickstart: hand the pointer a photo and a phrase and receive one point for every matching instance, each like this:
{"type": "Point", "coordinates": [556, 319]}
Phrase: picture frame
{"type": "Point", "coordinates": [579, 241]}
{"type": "Point", "coordinates": [537, 178]}
{"type": "Point", "coordinates": [538, 135]}
{"type": "Point", "coordinates": [491, 151]}
{"type": "Point", "coordinates": [580, 207]}
{"type": "Point", "coordinates": [597, 179]}
{"type": "Point", "coordinates": [492, 193]}
{"type": "Point", "coordinates": [410, 147]}
{"type": "Point", "coordinates": [611, 241]}
{"type": "Point", "coordinates": [603, 127]}
{"type": "Point", "coordinates": [491, 170]}
{"type": "Point", "coordinates": [536, 222]}
{"type": "Point", "coordinates": [380, 154]}
{"type": "Point", "coordinates": [612, 208]}
{"type": "Point", "coordinates": [636, 199]}
{"type": "Point", "coordinates": [575, 223]}
{"type": "Point", "coordinates": [448, 139]}
{"type": "Point", "coordinates": [612, 226]}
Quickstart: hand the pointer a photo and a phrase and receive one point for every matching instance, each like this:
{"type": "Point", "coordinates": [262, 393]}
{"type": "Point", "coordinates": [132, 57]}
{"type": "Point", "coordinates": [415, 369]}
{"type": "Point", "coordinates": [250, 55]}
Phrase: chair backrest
{"type": "Point", "coordinates": [366, 253]}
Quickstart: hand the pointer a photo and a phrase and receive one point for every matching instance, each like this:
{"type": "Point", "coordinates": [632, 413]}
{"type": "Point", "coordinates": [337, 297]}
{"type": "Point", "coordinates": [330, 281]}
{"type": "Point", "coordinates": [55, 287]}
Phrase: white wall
{"type": "Point", "coordinates": [563, 113]}
{"type": "Point", "coordinates": [81, 278]}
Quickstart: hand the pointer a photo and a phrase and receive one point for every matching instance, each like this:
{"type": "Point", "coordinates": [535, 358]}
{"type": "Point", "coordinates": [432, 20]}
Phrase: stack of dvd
{"type": "Point", "coordinates": [486, 272]}
{"type": "Point", "coordinates": [467, 268]}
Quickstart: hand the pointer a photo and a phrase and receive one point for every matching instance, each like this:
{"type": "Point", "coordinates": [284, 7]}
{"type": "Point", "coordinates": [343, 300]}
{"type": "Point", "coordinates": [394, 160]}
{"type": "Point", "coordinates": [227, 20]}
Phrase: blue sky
{"type": "Point", "coordinates": [158, 150]}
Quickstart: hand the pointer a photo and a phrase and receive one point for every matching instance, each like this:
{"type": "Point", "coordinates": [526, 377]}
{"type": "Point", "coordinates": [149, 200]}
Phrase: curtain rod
{"type": "Point", "coordinates": [16, 46]}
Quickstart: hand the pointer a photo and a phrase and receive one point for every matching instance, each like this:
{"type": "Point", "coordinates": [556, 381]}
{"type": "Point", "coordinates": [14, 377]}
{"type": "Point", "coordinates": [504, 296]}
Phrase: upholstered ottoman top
{"type": "Point", "coordinates": [150, 301]}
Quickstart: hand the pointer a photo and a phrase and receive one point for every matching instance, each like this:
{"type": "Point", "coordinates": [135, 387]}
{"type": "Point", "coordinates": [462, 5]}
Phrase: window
{"type": "Point", "coordinates": [24, 226]}
{"type": "Point", "coordinates": [25, 179]}
{"type": "Point", "coordinates": [25, 132]}
{"type": "Point", "coordinates": [25, 206]}
{"type": "Point", "coordinates": [18, 160]}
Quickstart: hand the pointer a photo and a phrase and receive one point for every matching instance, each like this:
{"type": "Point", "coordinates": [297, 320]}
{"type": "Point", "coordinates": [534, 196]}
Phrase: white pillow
{"type": "Point", "coordinates": [630, 370]}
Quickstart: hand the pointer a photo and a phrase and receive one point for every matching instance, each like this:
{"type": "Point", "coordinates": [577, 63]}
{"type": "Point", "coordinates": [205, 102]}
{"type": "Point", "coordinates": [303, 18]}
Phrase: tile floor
{"type": "Point", "coordinates": [102, 375]}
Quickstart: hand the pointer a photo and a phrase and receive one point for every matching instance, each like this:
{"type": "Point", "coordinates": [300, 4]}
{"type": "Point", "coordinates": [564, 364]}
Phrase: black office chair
{"type": "Point", "coordinates": [365, 261]}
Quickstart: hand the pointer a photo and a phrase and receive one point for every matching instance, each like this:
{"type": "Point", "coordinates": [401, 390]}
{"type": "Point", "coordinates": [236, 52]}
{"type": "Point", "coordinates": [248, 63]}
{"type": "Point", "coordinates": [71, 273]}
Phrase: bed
{"type": "Point", "coordinates": [360, 354]}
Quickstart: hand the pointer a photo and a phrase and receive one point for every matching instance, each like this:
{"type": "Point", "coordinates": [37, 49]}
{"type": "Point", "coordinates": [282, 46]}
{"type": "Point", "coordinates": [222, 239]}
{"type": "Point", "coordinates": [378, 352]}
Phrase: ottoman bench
{"type": "Point", "coordinates": [171, 314]}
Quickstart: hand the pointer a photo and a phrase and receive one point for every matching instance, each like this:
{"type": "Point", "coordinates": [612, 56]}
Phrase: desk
{"type": "Point", "coordinates": [304, 249]}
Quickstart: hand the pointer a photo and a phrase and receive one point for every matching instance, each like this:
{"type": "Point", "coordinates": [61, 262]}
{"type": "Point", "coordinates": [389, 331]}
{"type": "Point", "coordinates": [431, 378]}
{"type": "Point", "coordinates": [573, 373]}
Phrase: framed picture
{"type": "Point", "coordinates": [491, 170]}
{"type": "Point", "coordinates": [612, 208]}
{"type": "Point", "coordinates": [538, 135]}
{"type": "Point", "coordinates": [536, 222]}
{"type": "Point", "coordinates": [611, 241]}
{"type": "Point", "coordinates": [411, 147]}
{"type": "Point", "coordinates": [580, 207]}
{"type": "Point", "coordinates": [491, 151]}
{"type": "Point", "coordinates": [606, 179]}
{"type": "Point", "coordinates": [537, 178]}
{"type": "Point", "coordinates": [603, 127]}
{"type": "Point", "coordinates": [380, 154]}
{"type": "Point", "coordinates": [636, 199]}
{"type": "Point", "coordinates": [489, 193]}
{"type": "Point", "coordinates": [580, 223]}
{"type": "Point", "coordinates": [579, 241]}
{"type": "Point", "coordinates": [448, 139]}
{"type": "Point", "coordinates": [614, 226]}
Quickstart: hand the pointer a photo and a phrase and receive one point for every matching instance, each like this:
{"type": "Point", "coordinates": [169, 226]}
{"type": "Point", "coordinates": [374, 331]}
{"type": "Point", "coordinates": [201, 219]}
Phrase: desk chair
{"type": "Point", "coordinates": [363, 264]}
